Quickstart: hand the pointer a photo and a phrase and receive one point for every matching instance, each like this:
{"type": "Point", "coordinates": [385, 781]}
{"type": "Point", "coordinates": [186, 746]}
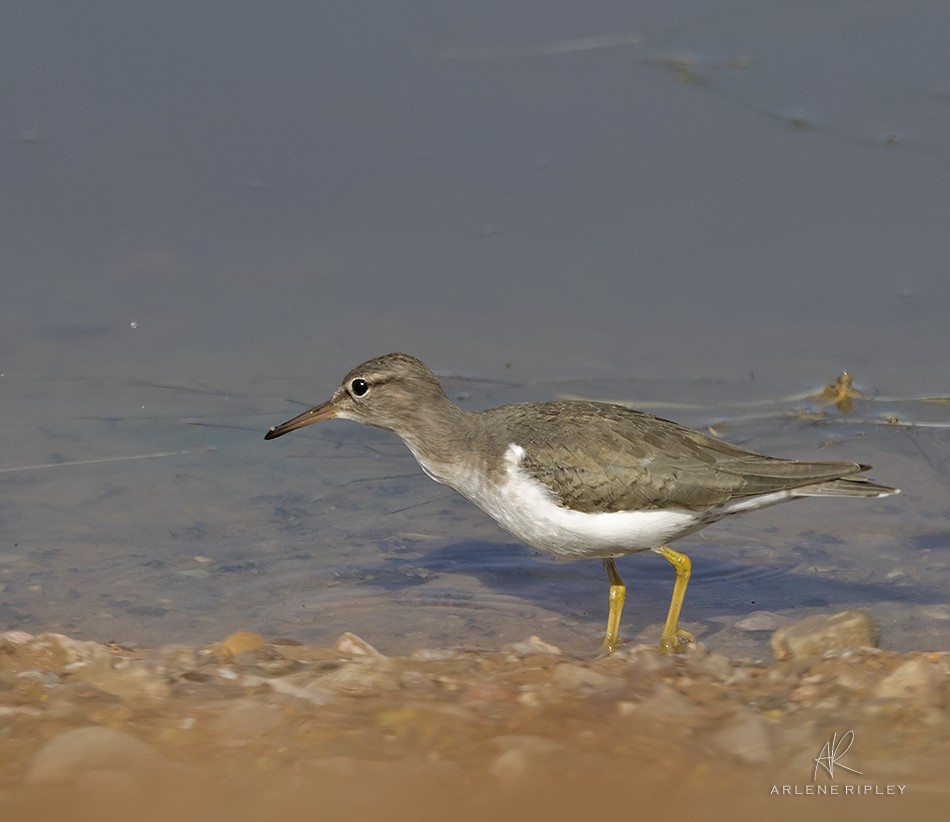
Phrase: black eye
{"type": "Point", "coordinates": [359, 387]}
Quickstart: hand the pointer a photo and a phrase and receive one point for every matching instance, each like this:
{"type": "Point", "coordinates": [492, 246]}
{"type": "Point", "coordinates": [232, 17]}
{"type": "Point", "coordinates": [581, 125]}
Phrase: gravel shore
{"type": "Point", "coordinates": [248, 726]}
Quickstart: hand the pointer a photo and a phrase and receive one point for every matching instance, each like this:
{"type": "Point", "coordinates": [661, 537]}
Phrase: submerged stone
{"type": "Point", "coordinates": [814, 636]}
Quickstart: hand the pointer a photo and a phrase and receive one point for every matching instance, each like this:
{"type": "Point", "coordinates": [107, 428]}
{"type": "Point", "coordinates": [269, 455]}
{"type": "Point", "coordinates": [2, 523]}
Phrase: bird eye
{"type": "Point", "coordinates": [359, 387]}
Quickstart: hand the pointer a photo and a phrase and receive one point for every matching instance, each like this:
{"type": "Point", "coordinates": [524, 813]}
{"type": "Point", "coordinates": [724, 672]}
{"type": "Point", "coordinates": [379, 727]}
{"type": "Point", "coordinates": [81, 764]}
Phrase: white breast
{"type": "Point", "coordinates": [527, 509]}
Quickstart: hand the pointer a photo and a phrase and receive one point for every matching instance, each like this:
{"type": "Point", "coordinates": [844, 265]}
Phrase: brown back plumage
{"type": "Point", "coordinates": [602, 457]}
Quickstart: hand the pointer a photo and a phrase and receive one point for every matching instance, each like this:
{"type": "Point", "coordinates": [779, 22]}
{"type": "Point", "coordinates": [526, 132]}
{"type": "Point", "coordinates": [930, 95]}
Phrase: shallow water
{"type": "Point", "coordinates": [186, 523]}
{"type": "Point", "coordinates": [208, 215]}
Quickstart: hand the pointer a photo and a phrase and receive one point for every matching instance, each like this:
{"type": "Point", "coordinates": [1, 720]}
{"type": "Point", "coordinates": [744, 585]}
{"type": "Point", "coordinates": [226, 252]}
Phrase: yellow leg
{"type": "Point", "coordinates": [616, 598]}
{"type": "Point", "coordinates": [673, 640]}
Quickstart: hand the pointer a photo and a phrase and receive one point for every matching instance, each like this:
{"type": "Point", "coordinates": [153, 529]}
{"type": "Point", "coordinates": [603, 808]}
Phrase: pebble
{"type": "Point", "coordinates": [816, 635]}
{"type": "Point", "coordinates": [353, 645]}
{"type": "Point", "coordinates": [858, 679]}
{"type": "Point", "coordinates": [746, 737]}
{"type": "Point", "coordinates": [360, 676]}
{"type": "Point", "coordinates": [58, 649]}
{"type": "Point", "coordinates": [916, 681]}
{"type": "Point", "coordinates": [511, 767]}
{"type": "Point", "coordinates": [132, 682]}
{"type": "Point", "coordinates": [763, 621]}
{"type": "Point", "coordinates": [539, 726]}
{"type": "Point", "coordinates": [73, 754]}
{"type": "Point", "coordinates": [529, 647]}
{"type": "Point", "coordinates": [248, 719]}
{"type": "Point", "coordinates": [16, 637]}
{"type": "Point", "coordinates": [573, 676]}
{"type": "Point", "coordinates": [273, 664]}
{"type": "Point", "coordinates": [434, 654]}
{"type": "Point", "coordinates": [311, 692]}
{"type": "Point", "coordinates": [646, 660]}
{"type": "Point", "coordinates": [239, 642]}
{"type": "Point", "coordinates": [42, 678]}
{"type": "Point", "coordinates": [174, 661]}
{"type": "Point", "coordinates": [715, 665]}
{"type": "Point", "coordinates": [664, 703]}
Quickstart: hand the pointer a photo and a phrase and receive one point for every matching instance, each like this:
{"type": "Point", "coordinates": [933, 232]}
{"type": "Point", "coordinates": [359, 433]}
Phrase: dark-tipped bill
{"type": "Point", "coordinates": [324, 411]}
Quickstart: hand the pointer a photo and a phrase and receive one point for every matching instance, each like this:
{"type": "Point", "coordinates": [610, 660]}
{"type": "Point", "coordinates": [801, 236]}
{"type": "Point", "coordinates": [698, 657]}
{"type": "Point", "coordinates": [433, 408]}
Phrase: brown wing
{"type": "Point", "coordinates": [601, 457]}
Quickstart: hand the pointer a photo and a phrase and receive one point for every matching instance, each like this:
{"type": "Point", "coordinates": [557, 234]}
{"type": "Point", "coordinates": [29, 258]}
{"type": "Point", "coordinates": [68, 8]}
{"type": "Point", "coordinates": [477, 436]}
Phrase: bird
{"type": "Point", "coordinates": [580, 479]}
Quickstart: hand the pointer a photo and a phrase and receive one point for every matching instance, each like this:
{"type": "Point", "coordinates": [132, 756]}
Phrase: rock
{"type": "Point", "coordinates": [664, 703]}
{"type": "Point", "coordinates": [433, 654]}
{"type": "Point", "coordinates": [238, 643]}
{"type": "Point", "coordinates": [511, 767]}
{"type": "Point", "coordinates": [174, 661]}
{"type": "Point", "coordinates": [12, 638]}
{"type": "Point", "coordinates": [575, 676]}
{"type": "Point", "coordinates": [916, 681]}
{"type": "Point", "coordinates": [645, 661]}
{"type": "Point", "coordinates": [857, 678]}
{"type": "Point", "coordinates": [309, 692]}
{"type": "Point", "coordinates": [531, 743]}
{"type": "Point", "coordinates": [531, 646]}
{"type": "Point", "coordinates": [715, 665]}
{"type": "Point", "coordinates": [62, 651]}
{"type": "Point", "coordinates": [248, 719]}
{"type": "Point", "coordinates": [43, 679]}
{"type": "Point", "coordinates": [816, 635]}
{"type": "Point", "coordinates": [354, 646]}
{"type": "Point", "coordinates": [67, 758]}
{"type": "Point", "coordinates": [763, 621]}
{"type": "Point", "coordinates": [744, 736]}
{"type": "Point", "coordinates": [519, 752]}
{"type": "Point", "coordinates": [276, 665]}
{"type": "Point", "coordinates": [358, 677]}
{"type": "Point", "coordinates": [133, 682]}
{"type": "Point", "coordinates": [17, 637]}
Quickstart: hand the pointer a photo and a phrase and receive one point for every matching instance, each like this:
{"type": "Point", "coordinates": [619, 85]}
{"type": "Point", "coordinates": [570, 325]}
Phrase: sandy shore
{"type": "Point", "coordinates": [248, 727]}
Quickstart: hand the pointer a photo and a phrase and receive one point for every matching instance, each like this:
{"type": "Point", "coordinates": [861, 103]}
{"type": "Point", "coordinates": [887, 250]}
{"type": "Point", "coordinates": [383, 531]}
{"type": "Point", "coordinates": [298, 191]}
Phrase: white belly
{"type": "Point", "coordinates": [527, 509]}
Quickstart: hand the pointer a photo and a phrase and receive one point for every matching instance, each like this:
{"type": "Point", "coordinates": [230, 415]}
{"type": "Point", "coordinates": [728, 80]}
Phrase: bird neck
{"type": "Point", "coordinates": [438, 433]}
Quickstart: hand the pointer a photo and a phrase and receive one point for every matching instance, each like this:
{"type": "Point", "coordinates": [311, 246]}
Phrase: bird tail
{"type": "Point", "coordinates": [855, 487]}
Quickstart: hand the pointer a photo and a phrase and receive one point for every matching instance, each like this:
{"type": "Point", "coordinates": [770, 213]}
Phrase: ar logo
{"type": "Point", "coordinates": [831, 755]}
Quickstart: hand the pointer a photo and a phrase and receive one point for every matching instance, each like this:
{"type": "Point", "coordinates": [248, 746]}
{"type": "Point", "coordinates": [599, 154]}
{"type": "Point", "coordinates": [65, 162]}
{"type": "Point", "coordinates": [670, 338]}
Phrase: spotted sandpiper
{"type": "Point", "coordinates": [580, 479]}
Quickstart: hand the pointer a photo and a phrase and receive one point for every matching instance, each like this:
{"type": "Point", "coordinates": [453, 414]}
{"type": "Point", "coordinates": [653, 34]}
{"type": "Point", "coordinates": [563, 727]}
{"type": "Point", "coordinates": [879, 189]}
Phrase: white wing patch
{"type": "Point", "coordinates": [527, 509]}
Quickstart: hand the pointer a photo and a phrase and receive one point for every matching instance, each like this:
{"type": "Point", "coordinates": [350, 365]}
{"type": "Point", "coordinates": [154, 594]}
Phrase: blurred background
{"type": "Point", "coordinates": [209, 213]}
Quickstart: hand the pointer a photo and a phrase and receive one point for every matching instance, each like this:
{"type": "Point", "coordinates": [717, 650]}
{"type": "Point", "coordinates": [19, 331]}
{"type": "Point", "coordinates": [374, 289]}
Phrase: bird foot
{"type": "Point", "coordinates": [608, 646]}
{"type": "Point", "coordinates": [675, 643]}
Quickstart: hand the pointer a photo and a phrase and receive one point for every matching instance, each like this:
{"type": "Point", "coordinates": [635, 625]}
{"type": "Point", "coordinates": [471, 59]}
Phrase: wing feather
{"type": "Point", "coordinates": [601, 457]}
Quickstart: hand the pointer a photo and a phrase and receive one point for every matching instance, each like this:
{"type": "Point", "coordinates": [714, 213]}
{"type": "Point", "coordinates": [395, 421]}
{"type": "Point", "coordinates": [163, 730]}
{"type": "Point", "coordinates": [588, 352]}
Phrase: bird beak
{"type": "Point", "coordinates": [324, 411]}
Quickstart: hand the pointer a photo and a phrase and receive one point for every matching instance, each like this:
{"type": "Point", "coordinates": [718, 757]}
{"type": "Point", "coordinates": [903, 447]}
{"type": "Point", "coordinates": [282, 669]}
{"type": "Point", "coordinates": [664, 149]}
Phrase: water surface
{"type": "Point", "coordinates": [210, 214]}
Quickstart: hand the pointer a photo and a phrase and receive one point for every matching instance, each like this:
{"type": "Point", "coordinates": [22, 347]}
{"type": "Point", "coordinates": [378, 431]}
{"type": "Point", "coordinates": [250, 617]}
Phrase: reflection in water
{"type": "Point", "coordinates": [344, 532]}
{"type": "Point", "coordinates": [196, 238]}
